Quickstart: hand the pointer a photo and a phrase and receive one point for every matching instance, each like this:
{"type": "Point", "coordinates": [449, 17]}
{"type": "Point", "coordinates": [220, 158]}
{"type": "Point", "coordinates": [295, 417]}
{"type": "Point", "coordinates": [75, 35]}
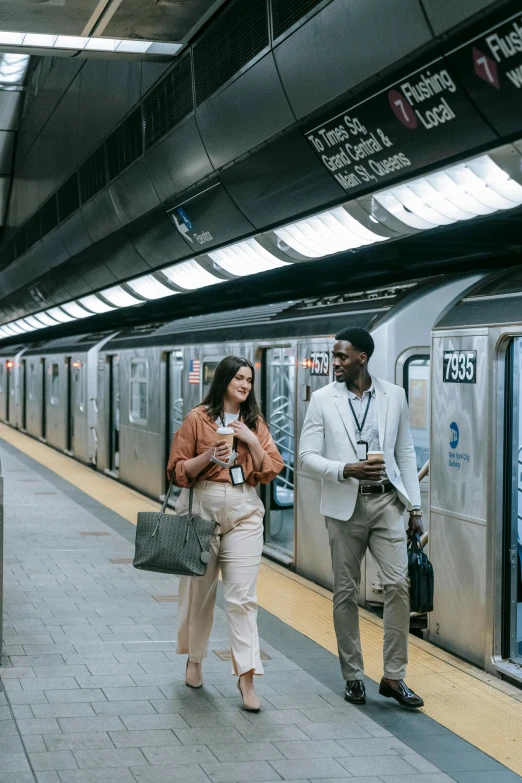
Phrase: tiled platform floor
{"type": "Point", "coordinates": [93, 690]}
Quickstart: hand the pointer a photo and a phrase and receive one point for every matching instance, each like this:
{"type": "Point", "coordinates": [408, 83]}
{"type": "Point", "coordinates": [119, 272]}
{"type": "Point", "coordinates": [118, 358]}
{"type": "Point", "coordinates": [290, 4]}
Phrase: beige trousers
{"type": "Point", "coordinates": [377, 523]}
{"type": "Point", "coordinates": [235, 550]}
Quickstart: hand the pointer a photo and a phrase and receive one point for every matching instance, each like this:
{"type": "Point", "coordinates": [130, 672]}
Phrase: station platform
{"type": "Point", "coordinates": [92, 690]}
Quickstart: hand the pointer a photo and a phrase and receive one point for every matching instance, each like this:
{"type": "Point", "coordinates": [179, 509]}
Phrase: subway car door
{"type": "Point", "coordinates": [279, 408]}
{"type": "Point", "coordinates": [24, 394]}
{"type": "Point", "coordinates": [512, 543]}
{"type": "Point", "coordinates": [313, 557]}
{"type": "Point", "coordinates": [114, 413]}
{"type": "Point", "coordinates": [69, 426]}
{"type": "Point", "coordinates": [43, 431]}
{"type": "Point", "coordinates": [9, 387]}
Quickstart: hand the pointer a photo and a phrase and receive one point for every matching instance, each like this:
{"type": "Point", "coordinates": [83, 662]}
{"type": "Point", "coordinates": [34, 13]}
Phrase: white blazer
{"type": "Point", "coordinates": [328, 442]}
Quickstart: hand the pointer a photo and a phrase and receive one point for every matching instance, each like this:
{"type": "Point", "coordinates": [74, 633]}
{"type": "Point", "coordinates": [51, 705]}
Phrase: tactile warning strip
{"type": "Point", "coordinates": [477, 706]}
{"type": "Point", "coordinates": [457, 696]}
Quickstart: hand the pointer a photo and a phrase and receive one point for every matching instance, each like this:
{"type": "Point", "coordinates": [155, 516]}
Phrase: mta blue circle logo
{"type": "Point", "coordinates": [454, 435]}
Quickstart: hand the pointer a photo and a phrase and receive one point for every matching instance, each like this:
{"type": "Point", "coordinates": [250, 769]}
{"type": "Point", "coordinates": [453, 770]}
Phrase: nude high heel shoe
{"type": "Point", "coordinates": [249, 704]}
{"type": "Point", "coordinates": [193, 681]}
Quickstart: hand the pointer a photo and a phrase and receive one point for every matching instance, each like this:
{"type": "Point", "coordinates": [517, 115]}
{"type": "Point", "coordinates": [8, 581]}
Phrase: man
{"type": "Point", "coordinates": [363, 503]}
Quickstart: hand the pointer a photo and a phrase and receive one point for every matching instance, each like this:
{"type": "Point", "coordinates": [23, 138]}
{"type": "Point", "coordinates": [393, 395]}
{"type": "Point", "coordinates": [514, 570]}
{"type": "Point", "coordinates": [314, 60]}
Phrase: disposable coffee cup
{"type": "Point", "coordinates": [227, 434]}
{"type": "Point", "coordinates": [375, 455]}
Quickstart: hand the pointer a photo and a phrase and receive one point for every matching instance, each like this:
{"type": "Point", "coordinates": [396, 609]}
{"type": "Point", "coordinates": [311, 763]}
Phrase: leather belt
{"type": "Point", "coordinates": [376, 489]}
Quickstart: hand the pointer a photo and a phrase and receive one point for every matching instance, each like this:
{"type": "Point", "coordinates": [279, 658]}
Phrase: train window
{"type": "Point", "coordinates": [55, 383]}
{"type": "Point", "coordinates": [280, 404]}
{"type": "Point", "coordinates": [79, 371]}
{"type": "Point", "coordinates": [176, 392]}
{"type": "Point", "coordinates": [209, 368]}
{"type": "Point", "coordinates": [138, 390]}
{"type": "Point", "coordinates": [32, 381]}
{"type": "Point", "coordinates": [417, 387]}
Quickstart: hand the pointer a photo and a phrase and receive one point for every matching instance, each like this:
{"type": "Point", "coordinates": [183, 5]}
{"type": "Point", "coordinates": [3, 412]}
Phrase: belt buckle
{"type": "Point", "coordinates": [365, 490]}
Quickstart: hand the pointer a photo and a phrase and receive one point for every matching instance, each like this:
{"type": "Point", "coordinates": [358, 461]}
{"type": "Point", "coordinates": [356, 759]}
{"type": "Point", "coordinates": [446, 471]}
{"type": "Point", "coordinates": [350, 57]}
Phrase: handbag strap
{"type": "Point", "coordinates": [190, 515]}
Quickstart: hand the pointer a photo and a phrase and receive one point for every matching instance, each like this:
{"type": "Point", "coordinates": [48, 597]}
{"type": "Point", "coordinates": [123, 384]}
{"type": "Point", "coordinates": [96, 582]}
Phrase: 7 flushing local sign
{"type": "Point", "coordinates": [421, 119]}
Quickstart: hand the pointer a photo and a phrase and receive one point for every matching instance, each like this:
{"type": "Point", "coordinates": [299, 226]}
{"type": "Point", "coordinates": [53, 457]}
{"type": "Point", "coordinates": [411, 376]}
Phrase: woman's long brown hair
{"type": "Point", "coordinates": [225, 371]}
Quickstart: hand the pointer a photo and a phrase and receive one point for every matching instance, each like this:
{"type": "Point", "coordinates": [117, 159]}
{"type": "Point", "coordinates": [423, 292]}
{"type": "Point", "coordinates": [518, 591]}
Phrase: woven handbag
{"type": "Point", "coordinates": [173, 543]}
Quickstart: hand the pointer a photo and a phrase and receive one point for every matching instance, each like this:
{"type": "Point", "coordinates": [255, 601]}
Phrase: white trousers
{"type": "Point", "coordinates": [236, 550]}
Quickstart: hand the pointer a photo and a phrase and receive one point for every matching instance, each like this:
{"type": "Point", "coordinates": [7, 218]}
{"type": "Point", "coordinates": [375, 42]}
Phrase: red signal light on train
{"type": "Point", "coordinates": [307, 364]}
{"type": "Point", "coordinates": [9, 364]}
{"type": "Point", "coordinates": [77, 364]}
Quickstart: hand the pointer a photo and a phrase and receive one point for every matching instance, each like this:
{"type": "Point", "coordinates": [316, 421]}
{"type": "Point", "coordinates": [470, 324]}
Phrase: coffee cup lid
{"type": "Point", "coordinates": [225, 430]}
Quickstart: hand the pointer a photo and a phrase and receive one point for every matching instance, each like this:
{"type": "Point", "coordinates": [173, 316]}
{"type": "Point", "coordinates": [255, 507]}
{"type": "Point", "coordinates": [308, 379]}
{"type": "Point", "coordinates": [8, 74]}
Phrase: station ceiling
{"type": "Point", "coordinates": [152, 20]}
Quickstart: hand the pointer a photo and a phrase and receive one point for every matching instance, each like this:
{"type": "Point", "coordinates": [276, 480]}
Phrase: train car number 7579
{"type": "Point", "coordinates": [460, 367]}
{"type": "Point", "coordinates": [319, 363]}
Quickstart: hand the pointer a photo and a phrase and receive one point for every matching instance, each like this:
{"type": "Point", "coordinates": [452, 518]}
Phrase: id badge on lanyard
{"type": "Point", "coordinates": [236, 475]}
{"type": "Point", "coordinates": [361, 445]}
{"type": "Point", "coordinates": [362, 450]}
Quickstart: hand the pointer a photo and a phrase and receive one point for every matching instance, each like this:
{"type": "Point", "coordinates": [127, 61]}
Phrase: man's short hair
{"type": "Point", "coordinates": [361, 339]}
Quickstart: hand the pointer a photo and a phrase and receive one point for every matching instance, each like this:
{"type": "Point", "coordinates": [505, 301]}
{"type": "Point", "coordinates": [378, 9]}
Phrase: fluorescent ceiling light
{"type": "Point", "coordinates": [190, 275]}
{"type": "Point", "coordinates": [23, 325]}
{"type": "Point", "coordinates": [16, 329]}
{"type": "Point", "coordinates": [496, 178]}
{"type": "Point", "coordinates": [33, 321]}
{"type": "Point", "coordinates": [103, 44]}
{"type": "Point", "coordinates": [245, 258]}
{"type": "Point", "coordinates": [36, 39]}
{"type": "Point", "coordinates": [59, 315]}
{"type": "Point", "coordinates": [75, 310]}
{"type": "Point", "coordinates": [11, 39]}
{"type": "Point", "coordinates": [125, 46]}
{"type": "Point", "coordinates": [10, 330]}
{"type": "Point", "coordinates": [46, 319]}
{"type": "Point", "coordinates": [70, 42]}
{"type": "Point", "coordinates": [333, 231]}
{"type": "Point", "coordinates": [95, 304]}
{"type": "Point", "coordinates": [150, 287]}
{"type": "Point", "coordinates": [133, 46]}
{"type": "Point", "coordinates": [119, 297]}
{"type": "Point", "coordinates": [5, 332]}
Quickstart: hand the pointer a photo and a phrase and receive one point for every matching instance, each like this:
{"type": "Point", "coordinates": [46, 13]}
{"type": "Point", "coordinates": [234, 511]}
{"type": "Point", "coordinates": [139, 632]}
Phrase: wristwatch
{"type": "Point", "coordinates": [416, 512]}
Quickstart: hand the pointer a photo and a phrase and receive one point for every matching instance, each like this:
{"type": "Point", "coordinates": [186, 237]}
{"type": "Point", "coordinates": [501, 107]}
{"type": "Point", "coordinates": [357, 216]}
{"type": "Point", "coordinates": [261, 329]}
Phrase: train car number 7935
{"type": "Point", "coordinates": [460, 367]}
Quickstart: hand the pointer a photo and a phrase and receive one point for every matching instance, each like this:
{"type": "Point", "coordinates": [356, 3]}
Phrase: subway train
{"type": "Point", "coordinates": [113, 400]}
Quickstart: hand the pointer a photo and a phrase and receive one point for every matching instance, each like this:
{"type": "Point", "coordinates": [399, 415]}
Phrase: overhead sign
{"type": "Point", "coordinates": [459, 367]}
{"type": "Point", "coordinates": [208, 217]}
{"type": "Point", "coordinates": [421, 119]}
{"type": "Point", "coordinates": [490, 69]}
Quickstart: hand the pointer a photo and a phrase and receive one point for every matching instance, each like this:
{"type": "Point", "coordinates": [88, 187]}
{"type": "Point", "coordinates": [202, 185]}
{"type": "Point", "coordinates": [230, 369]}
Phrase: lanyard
{"type": "Point", "coordinates": [360, 427]}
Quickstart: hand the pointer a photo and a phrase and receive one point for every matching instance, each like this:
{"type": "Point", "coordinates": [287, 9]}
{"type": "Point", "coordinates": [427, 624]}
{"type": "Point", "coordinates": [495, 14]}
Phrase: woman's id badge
{"type": "Point", "coordinates": [236, 475]}
{"type": "Point", "coordinates": [362, 450]}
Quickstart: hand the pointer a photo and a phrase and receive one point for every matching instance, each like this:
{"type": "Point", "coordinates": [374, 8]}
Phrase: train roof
{"type": "Point", "coordinates": [306, 317]}
{"type": "Point", "coordinates": [78, 343]}
{"type": "Point", "coordinates": [495, 300]}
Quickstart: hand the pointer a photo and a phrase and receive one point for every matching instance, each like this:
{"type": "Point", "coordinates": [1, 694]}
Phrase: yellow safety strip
{"type": "Point", "coordinates": [476, 706]}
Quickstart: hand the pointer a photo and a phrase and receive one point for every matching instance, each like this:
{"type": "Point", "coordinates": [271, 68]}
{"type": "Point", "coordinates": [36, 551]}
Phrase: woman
{"type": "Point", "coordinates": [238, 542]}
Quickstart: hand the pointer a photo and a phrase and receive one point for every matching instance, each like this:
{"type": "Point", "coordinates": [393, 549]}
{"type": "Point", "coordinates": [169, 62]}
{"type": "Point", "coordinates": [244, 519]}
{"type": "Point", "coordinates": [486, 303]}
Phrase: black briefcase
{"type": "Point", "coordinates": [420, 572]}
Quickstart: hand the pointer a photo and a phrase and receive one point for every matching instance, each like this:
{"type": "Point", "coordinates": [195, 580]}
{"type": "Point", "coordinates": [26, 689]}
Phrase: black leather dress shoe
{"type": "Point", "coordinates": [355, 692]}
{"type": "Point", "coordinates": [405, 696]}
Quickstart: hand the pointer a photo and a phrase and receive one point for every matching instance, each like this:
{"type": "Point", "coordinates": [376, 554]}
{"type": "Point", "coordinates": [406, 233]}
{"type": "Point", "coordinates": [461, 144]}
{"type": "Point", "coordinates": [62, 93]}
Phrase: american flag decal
{"type": "Point", "coordinates": [194, 371]}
